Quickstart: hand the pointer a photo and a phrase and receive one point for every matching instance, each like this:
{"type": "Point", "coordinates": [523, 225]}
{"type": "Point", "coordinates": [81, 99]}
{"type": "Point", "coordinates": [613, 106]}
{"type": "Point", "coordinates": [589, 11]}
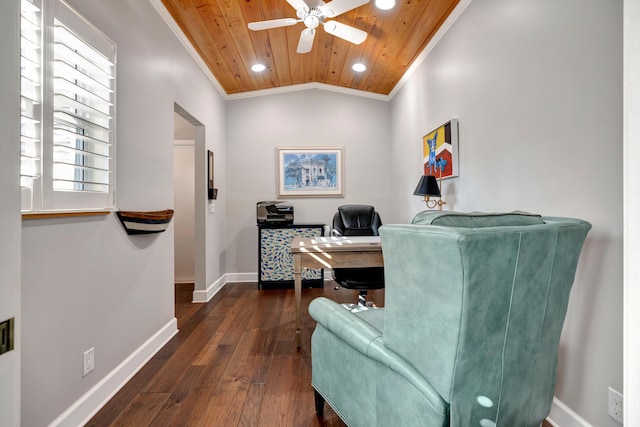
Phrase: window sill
{"type": "Point", "coordinates": [63, 214]}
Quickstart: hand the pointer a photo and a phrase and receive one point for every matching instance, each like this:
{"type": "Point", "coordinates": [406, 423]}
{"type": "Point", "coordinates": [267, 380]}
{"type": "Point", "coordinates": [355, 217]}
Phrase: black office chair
{"type": "Point", "coordinates": [358, 220]}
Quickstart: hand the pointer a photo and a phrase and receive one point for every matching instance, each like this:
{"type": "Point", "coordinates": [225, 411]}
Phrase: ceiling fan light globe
{"type": "Point", "coordinates": [311, 21]}
{"type": "Point", "coordinates": [385, 4]}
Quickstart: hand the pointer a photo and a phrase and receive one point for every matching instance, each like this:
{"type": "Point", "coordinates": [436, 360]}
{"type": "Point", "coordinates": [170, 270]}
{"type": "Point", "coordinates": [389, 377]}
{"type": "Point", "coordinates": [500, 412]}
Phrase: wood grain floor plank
{"type": "Point", "coordinates": [251, 410]}
{"type": "Point", "coordinates": [275, 407]}
{"type": "Point", "coordinates": [172, 372]}
{"type": "Point", "coordinates": [226, 404]}
{"type": "Point", "coordinates": [123, 398]}
{"type": "Point", "coordinates": [183, 297]}
{"type": "Point", "coordinates": [173, 403]}
{"type": "Point", "coordinates": [222, 298]}
{"type": "Point", "coordinates": [303, 395]}
{"type": "Point", "coordinates": [233, 319]}
{"type": "Point", "coordinates": [190, 410]}
{"type": "Point", "coordinates": [142, 411]}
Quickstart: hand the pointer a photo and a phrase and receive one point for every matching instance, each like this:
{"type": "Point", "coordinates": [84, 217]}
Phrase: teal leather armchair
{"type": "Point", "coordinates": [469, 334]}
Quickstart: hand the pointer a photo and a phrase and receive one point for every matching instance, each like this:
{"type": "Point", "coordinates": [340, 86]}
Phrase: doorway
{"type": "Point", "coordinates": [184, 215]}
{"type": "Point", "coordinates": [184, 200]}
{"type": "Point", "coordinates": [189, 221]}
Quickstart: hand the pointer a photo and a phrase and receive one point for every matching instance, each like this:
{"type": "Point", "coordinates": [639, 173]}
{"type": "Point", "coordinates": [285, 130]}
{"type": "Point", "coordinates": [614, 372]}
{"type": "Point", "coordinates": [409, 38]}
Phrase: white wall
{"type": "Point", "coordinates": [85, 282]}
{"type": "Point", "coordinates": [632, 211]}
{"type": "Point", "coordinates": [184, 216]}
{"type": "Point", "coordinates": [537, 88]}
{"type": "Point", "coordinates": [311, 117]}
{"type": "Point", "coordinates": [10, 206]}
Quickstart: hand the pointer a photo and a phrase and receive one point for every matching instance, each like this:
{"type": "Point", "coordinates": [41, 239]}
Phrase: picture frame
{"type": "Point", "coordinates": [440, 151]}
{"type": "Point", "coordinates": [212, 193]}
{"type": "Point", "coordinates": [310, 171]}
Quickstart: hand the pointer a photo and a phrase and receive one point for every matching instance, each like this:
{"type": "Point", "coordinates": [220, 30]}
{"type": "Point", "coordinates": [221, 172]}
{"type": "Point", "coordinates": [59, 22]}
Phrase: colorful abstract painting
{"type": "Point", "coordinates": [440, 148]}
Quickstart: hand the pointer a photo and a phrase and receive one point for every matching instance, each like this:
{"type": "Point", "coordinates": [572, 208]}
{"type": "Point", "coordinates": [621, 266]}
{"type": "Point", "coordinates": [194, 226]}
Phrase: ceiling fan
{"type": "Point", "coordinates": [314, 16]}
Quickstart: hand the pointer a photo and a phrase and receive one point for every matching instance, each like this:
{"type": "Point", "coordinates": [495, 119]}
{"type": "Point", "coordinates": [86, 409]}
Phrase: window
{"type": "Point", "coordinates": [68, 106]}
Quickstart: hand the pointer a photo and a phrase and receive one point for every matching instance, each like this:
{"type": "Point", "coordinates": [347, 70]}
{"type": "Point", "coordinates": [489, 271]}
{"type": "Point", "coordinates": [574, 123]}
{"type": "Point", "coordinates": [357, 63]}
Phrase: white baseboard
{"type": "Point", "coordinates": [562, 416]}
{"type": "Point", "coordinates": [88, 405]}
{"type": "Point", "coordinates": [241, 277]}
{"type": "Point", "coordinates": [206, 295]}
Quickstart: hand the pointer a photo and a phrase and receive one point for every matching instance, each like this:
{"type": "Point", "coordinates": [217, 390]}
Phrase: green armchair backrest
{"type": "Point", "coordinates": [477, 308]}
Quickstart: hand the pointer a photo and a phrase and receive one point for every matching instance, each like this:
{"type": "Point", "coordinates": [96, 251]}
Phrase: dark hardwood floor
{"type": "Point", "coordinates": [232, 363]}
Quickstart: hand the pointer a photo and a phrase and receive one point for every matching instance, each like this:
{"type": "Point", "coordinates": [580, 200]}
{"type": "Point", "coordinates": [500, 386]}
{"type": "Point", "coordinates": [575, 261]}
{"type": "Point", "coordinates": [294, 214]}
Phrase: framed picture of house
{"type": "Point", "coordinates": [440, 148]}
{"type": "Point", "coordinates": [310, 172]}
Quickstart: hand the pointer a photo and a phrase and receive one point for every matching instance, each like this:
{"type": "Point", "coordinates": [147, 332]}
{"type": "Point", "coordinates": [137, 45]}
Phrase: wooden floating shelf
{"type": "Point", "coordinates": [145, 222]}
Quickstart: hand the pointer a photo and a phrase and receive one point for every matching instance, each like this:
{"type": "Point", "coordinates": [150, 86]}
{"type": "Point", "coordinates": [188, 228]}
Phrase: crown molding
{"type": "Point", "coordinates": [307, 86]}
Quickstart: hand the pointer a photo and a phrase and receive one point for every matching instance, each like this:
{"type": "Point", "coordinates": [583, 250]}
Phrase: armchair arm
{"type": "Point", "coordinates": [364, 337]}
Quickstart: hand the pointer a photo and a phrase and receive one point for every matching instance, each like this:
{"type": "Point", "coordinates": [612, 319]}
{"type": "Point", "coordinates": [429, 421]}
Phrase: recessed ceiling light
{"type": "Point", "coordinates": [385, 4]}
{"type": "Point", "coordinates": [359, 67]}
{"type": "Point", "coordinates": [258, 68]}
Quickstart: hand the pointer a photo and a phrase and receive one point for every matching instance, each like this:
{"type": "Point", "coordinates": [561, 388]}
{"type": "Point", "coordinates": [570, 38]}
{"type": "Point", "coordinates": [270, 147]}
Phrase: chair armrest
{"type": "Point", "coordinates": [367, 339]}
{"type": "Point", "coordinates": [341, 322]}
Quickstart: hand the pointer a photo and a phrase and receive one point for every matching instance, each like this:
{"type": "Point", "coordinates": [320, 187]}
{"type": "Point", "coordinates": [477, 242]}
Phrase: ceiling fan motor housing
{"type": "Point", "coordinates": [312, 19]}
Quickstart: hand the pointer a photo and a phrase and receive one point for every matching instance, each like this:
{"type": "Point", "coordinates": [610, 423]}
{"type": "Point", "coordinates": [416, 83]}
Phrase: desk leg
{"type": "Point", "coordinates": [297, 278]}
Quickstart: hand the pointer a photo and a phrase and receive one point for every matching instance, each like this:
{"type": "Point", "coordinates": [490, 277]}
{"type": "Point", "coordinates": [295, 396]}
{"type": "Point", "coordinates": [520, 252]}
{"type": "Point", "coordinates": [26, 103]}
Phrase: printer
{"type": "Point", "coordinates": [273, 212]}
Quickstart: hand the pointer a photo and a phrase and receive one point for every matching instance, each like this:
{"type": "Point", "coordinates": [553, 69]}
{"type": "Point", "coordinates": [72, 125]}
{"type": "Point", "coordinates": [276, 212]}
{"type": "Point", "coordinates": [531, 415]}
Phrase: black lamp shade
{"type": "Point", "coordinates": [428, 186]}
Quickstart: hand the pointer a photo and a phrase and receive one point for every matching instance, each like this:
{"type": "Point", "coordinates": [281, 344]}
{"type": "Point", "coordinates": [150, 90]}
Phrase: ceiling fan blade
{"type": "Point", "coordinates": [306, 40]}
{"type": "Point", "coordinates": [346, 32]}
{"type": "Point", "coordinates": [274, 23]}
{"type": "Point", "coordinates": [299, 5]}
{"type": "Point", "coordinates": [337, 7]}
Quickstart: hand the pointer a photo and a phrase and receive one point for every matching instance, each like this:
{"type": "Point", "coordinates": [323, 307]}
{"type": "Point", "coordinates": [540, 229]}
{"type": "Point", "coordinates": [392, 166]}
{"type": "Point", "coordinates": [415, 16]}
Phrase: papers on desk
{"type": "Point", "coordinates": [347, 240]}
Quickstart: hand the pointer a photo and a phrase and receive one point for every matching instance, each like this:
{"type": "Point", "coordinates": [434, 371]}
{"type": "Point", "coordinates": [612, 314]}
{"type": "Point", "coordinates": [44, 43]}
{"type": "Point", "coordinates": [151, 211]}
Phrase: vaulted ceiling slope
{"type": "Point", "coordinates": [217, 29]}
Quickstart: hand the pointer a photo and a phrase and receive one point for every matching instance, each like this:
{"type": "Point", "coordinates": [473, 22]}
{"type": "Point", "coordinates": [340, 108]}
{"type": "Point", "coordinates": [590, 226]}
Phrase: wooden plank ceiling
{"type": "Point", "coordinates": [218, 31]}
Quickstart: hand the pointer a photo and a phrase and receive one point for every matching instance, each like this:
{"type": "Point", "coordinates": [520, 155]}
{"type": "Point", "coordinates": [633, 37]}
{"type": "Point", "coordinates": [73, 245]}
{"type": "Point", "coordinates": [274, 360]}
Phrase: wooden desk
{"type": "Point", "coordinates": [331, 252]}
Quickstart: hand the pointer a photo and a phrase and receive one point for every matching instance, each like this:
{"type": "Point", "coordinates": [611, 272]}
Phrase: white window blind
{"type": "Point", "coordinates": [82, 79]}
{"type": "Point", "coordinates": [78, 105]}
{"type": "Point", "coordinates": [30, 100]}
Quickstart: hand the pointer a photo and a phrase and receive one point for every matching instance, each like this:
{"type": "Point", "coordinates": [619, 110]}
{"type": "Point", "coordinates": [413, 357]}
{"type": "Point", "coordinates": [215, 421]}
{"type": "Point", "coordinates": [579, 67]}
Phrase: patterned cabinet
{"type": "Point", "coordinates": [275, 261]}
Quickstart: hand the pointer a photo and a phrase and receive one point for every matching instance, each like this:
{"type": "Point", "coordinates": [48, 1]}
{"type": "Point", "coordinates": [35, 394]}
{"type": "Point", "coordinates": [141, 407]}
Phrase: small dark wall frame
{"type": "Point", "coordinates": [211, 191]}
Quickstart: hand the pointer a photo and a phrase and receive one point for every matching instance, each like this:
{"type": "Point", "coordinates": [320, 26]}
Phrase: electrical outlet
{"type": "Point", "coordinates": [615, 405]}
{"type": "Point", "coordinates": [88, 362]}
